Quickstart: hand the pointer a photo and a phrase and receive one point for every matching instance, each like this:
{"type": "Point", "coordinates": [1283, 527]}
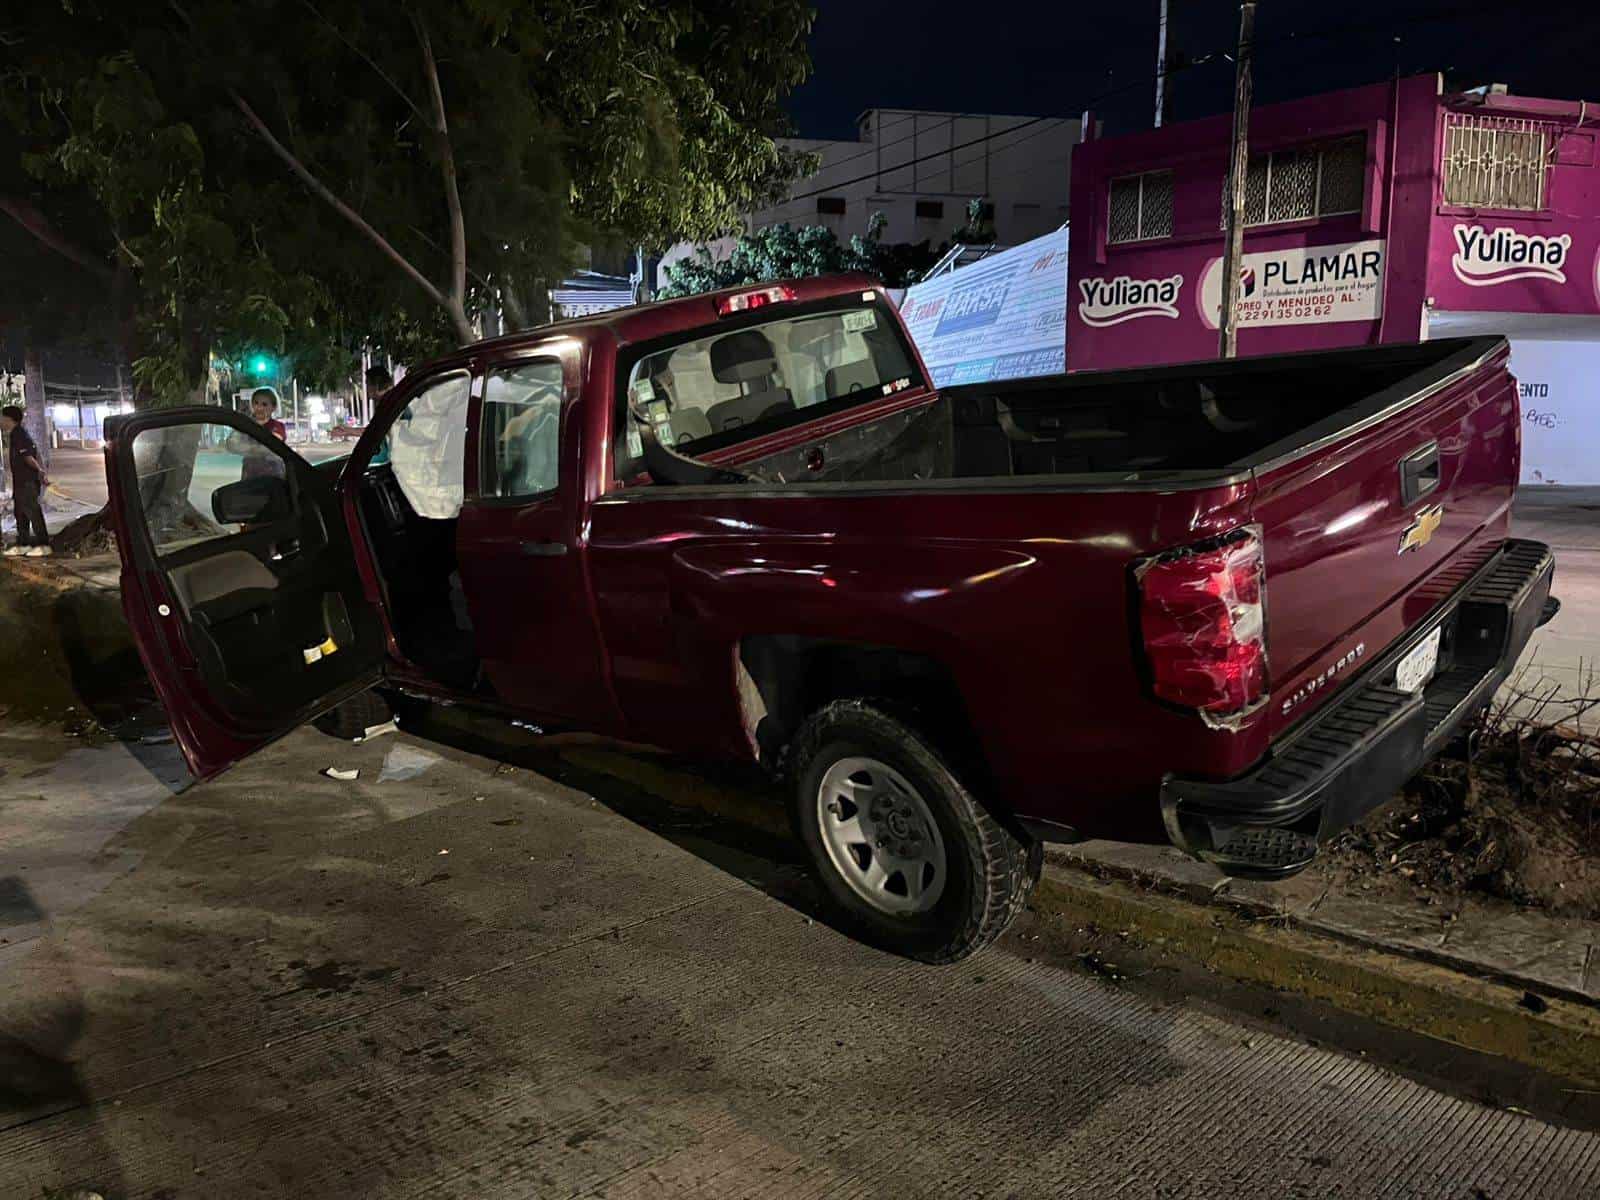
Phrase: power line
{"type": "Point", "coordinates": [1447, 14]}
{"type": "Point", "coordinates": [958, 165]}
{"type": "Point", "coordinates": [877, 148]}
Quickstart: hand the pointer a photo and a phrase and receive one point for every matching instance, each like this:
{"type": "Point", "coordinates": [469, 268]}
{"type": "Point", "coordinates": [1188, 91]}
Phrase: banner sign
{"type": "Point", "coordinates": [1560, 432]}
{"type": "Point", "coordinates": [1004, 317]}
{"type": "Point", "coordinates": [1302, 285]}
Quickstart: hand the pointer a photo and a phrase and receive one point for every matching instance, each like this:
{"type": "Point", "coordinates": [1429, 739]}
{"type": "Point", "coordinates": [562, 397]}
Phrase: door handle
{"type": "Point", "coordinates": [1419, 472]}
{"type": "Point", "coordinates": [285, 550]}
{"type": "Point", "coordinates": [544, 549]}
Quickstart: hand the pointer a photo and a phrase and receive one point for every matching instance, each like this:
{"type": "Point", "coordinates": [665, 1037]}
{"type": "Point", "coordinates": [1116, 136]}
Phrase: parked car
{"type": "Point", "coordinates": [1230, 605]}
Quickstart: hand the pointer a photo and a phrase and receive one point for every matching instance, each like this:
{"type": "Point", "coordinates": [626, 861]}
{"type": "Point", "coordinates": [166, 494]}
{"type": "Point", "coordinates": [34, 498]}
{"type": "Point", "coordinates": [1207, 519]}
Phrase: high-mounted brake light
{"type": "Point", "coordinates": [744, 301]}
{"type": "Point", "coordinates": [1204, 625]}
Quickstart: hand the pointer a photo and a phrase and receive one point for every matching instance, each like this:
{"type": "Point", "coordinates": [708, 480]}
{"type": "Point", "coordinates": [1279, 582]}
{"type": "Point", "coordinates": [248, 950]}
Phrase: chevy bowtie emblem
{"type": "Point", "coordinates": [1420, 531]}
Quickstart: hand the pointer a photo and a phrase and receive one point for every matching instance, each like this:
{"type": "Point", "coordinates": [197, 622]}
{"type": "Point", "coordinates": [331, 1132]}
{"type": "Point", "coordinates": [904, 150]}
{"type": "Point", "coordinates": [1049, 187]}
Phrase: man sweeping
{"type": "Point", "coordinates": [27, 484]}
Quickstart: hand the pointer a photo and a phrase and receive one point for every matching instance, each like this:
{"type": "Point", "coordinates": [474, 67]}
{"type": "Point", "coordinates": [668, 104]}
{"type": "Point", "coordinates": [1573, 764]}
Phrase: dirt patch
{"type": "Point", "coordinates": [67, 657]}
{"type": "Point", "coordinates": [86, 537]}
{"type": "Point", "coordinates": [1515, 815]}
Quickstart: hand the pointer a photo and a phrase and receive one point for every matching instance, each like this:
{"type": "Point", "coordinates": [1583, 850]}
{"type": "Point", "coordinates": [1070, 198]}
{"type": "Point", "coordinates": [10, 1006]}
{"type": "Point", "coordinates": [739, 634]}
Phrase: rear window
{"type": "Point", "coordinates": [732, 384]}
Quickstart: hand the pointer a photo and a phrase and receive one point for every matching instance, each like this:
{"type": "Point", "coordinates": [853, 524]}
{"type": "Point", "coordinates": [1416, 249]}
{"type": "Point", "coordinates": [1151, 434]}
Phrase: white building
{"type": "Point", "coordinates": [920, 169]}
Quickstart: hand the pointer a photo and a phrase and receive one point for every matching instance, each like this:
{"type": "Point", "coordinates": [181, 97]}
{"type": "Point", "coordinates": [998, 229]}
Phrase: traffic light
{"type": "Point", "coordinates": [260, 364]}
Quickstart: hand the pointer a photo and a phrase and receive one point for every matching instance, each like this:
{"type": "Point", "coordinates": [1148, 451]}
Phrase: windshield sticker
{"type": "Point", "coordinates": [635, 444]}
{"type": "Point", "coordinates": [642, 391]}
{"type": "Point", "coordinates": [860, 320]}
{"type": "Point", "coordinates": [897, 385]}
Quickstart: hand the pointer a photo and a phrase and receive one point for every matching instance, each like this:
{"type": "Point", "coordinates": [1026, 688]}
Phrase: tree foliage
{"type": "Point", "coordinates": [301, 176]}
{"type": "Point", "coordinates": [785, 252]}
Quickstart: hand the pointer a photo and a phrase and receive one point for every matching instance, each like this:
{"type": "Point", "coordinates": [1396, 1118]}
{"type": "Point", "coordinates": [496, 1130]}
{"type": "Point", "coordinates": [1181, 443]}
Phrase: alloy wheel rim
{"type": "Point", "coordinates": [881, 836]}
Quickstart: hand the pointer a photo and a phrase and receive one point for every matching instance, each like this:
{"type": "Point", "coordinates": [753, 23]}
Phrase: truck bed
{"type": "Point", "coordinates": [1186, 424]}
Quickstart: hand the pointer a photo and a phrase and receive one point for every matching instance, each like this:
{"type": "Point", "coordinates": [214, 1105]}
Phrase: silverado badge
{"type": "Point", "coordinates": [1417, 534]}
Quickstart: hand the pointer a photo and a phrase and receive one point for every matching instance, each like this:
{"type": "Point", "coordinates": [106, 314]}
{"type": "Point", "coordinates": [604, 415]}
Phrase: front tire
{"type": "Point", "coordinates": [906, 854]}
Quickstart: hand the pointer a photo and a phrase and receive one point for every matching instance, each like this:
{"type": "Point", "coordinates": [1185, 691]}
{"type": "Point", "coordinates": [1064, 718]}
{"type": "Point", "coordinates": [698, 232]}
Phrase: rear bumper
{"type": "Point", "coordinates": [1355, 754]}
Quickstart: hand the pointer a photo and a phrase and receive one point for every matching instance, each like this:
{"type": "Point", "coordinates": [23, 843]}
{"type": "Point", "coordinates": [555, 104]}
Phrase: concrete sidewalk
{"type": "Point", "coordinates": [480, 982]}
{"type": "Point", "coordinates": [1567, 651]}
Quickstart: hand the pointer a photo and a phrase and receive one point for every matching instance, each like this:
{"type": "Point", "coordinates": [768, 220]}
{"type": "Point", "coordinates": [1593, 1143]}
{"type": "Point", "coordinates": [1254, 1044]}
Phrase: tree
{"type": "Point", "coordinates": [784, 252]}
{"type": "Point", "coordinates": [288, 163]}
{"type": "Point", "coordinates": [979, 227]}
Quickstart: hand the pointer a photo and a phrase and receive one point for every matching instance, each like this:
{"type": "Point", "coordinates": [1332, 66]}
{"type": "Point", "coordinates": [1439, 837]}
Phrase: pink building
{"type": "Point", "coordinates": [1386, 213]}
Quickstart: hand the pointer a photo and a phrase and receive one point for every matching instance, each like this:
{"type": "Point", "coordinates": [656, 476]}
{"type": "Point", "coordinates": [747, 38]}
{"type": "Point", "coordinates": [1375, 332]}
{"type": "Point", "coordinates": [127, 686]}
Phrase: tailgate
{"type": "Point", "coordinates": [1367, 529]}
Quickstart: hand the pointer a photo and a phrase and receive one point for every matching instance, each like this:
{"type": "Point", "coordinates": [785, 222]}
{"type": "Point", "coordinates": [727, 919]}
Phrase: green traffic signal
{"type": "Point", "coordinates": [261, 364]}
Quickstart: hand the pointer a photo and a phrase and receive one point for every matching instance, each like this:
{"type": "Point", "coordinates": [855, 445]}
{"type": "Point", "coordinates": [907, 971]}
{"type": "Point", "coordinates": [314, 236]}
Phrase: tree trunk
{"type": "Point", "coordinates": [34, 419]}
{"type": "Point", "coordinates": [516, 315]}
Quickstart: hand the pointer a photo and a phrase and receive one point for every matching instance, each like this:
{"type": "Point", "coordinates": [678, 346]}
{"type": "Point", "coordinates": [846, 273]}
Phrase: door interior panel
{"type": "Point", "coordinates": [245, 592]}
{"type": "Point", "coordinates": [268, 617]}
{"type": "Point", "coordinates": [417, 556]}
{"type": "Point", "coordinates": [221, 574]}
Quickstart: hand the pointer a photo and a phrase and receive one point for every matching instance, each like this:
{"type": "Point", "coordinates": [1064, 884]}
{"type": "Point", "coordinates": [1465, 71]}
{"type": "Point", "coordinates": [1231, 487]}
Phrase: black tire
{"type": "Point", "coordinates": [352, 718]}
{"type": "Point", "coordinates": [989, 870]}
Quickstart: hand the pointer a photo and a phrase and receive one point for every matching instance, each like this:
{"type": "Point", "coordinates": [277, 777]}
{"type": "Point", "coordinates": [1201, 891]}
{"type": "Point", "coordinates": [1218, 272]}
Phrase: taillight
{"type": "Point", "coordinates": [740, 302]}
{"type": "Point", "coordinates": [1200, 610]}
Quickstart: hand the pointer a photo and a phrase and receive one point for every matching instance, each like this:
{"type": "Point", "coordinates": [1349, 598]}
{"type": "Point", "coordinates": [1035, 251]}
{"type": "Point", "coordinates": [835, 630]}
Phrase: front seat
{"type": "Point", "coordinates": [746, 358]}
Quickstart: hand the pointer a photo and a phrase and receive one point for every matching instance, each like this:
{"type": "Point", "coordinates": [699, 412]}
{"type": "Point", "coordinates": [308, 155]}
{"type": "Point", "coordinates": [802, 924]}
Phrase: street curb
{"type": "Point", "coordinates": [1225, 900]}
{"type": "Point", "coordinates": [1402, 992]}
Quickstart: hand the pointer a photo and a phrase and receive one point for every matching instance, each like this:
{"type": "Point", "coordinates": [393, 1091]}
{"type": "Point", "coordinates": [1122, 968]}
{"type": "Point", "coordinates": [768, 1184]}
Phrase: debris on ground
{"type": "Point", "coordinates": [377, 731]}
{"type": "Point", "coordinates": [405, 762]}
{"type": "Point", "coordinates": [1096, 965]}
{"type": "Point", "coordinates": [343, 775]}
{"type": "Point", "coordinates": [1516, 816]}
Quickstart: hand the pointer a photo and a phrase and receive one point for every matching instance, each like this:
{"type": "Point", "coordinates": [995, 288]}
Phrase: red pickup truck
{"type": "Point", "coordinates": [1230, 605]}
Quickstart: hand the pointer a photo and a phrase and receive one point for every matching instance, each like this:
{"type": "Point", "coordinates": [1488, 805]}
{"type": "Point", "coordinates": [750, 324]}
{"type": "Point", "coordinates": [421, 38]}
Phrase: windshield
{"type": "Point", "coordinates": [744, 382]}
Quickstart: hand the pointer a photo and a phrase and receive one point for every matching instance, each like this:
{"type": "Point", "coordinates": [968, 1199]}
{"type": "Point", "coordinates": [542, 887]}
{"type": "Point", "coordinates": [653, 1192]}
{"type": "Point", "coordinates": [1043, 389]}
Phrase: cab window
{"type": "Point", "coordinates": [520, 433]}
{"type": "Point", "coordinates": [743, 382]}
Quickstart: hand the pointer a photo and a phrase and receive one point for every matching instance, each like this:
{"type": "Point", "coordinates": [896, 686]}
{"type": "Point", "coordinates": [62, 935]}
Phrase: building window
{"type": "Point", "coordinates": [1495, 162]}
{"type": "Point", "coordinates": [1304, 183]}
{"type": "Point", "coordinates": [830, 206]}
{"type": "Point", "coordinates": [1140, 207]}
{"type": "Point", "coordinates": [931, 210]}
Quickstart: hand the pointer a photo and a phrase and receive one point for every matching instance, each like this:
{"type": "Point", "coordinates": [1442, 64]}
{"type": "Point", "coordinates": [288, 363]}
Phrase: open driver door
{"type": "Point", "coordinates": [239, 580]}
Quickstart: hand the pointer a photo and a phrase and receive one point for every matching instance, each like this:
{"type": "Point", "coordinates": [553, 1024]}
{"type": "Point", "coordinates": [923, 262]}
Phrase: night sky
{"type": "Point", "coordinates": [1056, 59]}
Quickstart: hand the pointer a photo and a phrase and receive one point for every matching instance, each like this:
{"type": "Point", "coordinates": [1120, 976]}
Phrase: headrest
{"type": "Point", "coordinates": [743, 357]}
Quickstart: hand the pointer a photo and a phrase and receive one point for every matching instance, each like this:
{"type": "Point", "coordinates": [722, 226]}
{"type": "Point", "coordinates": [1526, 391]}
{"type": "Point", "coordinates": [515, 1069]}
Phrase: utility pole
{"type": "Point", "coordinates": [1238, 170]}
{"type": "Point", "coordinates": [1161, 64]}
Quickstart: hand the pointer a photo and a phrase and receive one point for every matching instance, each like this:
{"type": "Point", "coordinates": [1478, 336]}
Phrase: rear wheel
{"type": "Point", "coordinates": [905, 852]}
{"type": "Point", "coordinates": [352, 718]}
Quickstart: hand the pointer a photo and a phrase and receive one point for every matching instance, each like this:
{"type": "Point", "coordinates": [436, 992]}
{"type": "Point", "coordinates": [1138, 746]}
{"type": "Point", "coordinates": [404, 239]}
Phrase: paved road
{"type": "Point", "coordinates": [482, 982]}
{"type": "Point", "coordinates": [1568, 649]}
{"type": "Point", "coordinates": [81, 474]}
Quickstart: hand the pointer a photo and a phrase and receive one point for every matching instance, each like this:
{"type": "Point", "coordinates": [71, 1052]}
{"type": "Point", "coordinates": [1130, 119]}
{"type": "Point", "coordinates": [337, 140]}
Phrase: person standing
{"type": "Point", "coordinates": [258, 460]}
{"type": "Point", "coordinates": [27, 484]}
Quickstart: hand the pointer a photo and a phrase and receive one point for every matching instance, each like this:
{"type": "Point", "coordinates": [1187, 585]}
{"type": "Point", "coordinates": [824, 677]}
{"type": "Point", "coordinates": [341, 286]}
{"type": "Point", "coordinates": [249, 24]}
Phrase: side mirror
{"type": "Point", "coordinates": [259, 500]}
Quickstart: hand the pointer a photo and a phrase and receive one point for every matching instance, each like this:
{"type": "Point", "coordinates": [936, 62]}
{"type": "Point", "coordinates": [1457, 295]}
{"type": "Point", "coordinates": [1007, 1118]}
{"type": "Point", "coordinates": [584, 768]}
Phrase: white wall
{"type": "Point", "coordinates": [1020, 166]}
{"type": "Point", "coordinates": [1556, 359]}
{"type": "Point", "coordinates": [1560, 410]}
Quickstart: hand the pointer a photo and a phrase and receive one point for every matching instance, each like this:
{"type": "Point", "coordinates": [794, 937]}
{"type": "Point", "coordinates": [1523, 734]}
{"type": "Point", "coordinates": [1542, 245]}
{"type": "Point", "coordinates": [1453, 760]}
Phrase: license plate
{"type": "Point", "coordinates": [1416, 668]}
